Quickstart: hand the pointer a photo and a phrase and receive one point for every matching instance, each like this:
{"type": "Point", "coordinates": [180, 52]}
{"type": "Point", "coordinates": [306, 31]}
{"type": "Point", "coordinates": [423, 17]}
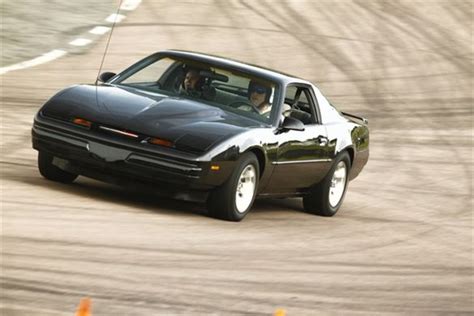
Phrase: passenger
{"type": "Point", "coordinates": [259, 94]}
{"type": "Point", "coordinates": [191, 83]}
{"type": "Point", "coordinates": [194, 85]}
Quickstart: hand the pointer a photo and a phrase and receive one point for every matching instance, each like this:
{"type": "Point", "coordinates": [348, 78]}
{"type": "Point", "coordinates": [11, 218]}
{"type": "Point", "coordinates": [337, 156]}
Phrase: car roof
{"type": "Point", "coordinates": [231, 63]}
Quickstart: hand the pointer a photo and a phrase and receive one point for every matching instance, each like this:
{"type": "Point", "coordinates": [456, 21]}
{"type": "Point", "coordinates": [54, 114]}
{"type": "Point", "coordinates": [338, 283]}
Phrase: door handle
{"type": "Point", "coordinates": [323, 141]}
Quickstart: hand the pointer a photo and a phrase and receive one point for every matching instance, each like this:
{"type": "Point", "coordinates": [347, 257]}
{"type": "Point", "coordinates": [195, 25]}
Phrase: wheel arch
{"type": "Point", "coordinates": [258, 152]}
{"type": "Point", "coordinates": [350, 150]}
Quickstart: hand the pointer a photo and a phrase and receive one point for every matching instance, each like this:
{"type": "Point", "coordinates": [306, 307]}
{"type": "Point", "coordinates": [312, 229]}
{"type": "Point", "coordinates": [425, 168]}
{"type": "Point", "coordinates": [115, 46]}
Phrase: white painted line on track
{"type": "Point", "coordinates": [99, 30]}
{"type": "Point", "coordinates": [117, 18]}
{"type": "Point", "coordinates": [127, 5]}
{"type": "Point", "coordinates": [80, 42]}
{"type": "Point", "coordinates": [35, 61]}
{"type": "Point", "coordinates": [130, 5]}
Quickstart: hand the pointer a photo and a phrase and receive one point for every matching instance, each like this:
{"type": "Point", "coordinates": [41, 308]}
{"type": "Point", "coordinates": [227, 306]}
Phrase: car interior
{"type": "Point", "coordinates": [222, 87]}
{"type": "Point", "coordinates": [298, 106]}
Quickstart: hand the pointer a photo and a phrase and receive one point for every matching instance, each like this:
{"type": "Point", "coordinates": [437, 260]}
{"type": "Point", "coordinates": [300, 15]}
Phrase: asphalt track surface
{"type": "Point", "coordinates": [401, 244]}
{"type": "Point", "coordinates": [32, 27]}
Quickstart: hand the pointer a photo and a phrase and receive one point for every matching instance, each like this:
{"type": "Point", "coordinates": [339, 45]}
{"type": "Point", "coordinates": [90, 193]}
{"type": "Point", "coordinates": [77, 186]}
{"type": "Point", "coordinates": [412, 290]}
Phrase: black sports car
{"type": "Point", "coordinates": [207, 128]}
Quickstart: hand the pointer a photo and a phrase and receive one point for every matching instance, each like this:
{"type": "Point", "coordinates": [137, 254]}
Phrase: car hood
{"type": "Point", "coordinates": [187, 123]}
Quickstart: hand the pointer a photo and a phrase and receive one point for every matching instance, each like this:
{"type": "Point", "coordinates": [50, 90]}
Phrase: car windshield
{"type": "Point", "coordinates": [228, 89]}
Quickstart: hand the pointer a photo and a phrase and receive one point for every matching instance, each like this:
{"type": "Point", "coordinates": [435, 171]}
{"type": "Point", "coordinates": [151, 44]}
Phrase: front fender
{"type": "Point", "coordinates": [227, 152]}
{"type": "Point", "coordinates": [232, 147]}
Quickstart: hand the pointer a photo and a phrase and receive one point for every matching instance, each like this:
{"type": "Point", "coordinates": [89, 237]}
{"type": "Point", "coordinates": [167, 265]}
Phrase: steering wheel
{"type": "Point", "coordinates": [242, 104]}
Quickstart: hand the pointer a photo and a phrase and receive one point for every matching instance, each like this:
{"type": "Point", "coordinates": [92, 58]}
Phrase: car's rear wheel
{"type": "Point", "coordinates": [326, 197]}
{"type": "Point", "coordinates": [234, 199]}
{"type": "Point", "coordinates": [50, 171]}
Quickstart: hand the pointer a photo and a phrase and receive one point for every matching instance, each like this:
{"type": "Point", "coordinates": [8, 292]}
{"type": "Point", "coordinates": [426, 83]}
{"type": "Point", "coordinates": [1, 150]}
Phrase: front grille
{"type": "Point", "coordinates": [114, 131]}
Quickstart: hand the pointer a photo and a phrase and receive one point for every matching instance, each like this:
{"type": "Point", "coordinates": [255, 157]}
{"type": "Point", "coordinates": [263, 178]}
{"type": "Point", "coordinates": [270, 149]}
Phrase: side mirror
{"type": "Point", "coordinates": [292, 124]}
{"type": "Point", "coordinates": [105, 76]}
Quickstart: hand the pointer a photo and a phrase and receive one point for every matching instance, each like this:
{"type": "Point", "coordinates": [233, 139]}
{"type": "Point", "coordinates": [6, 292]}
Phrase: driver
{"type": "Point", "coordinates": [259, 96]}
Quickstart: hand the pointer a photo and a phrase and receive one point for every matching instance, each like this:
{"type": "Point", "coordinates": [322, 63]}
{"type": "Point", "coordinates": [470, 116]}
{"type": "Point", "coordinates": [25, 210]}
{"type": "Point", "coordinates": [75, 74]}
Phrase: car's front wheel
{"type": "Point", "coordinates": [234, 199]}
{"type": "Point", "coordinates": [50, 171]}
{"type": "Point", "coordinates": [325, 198]}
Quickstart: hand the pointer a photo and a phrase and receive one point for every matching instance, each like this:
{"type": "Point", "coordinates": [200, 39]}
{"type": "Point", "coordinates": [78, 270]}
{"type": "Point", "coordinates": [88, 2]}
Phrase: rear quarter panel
{"type": "Point", "coordinates": [352, 137]}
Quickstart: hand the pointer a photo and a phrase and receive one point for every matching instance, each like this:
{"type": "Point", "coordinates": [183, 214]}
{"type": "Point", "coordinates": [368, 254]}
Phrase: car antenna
{"type": "Point", "coordinates": [108, 42]}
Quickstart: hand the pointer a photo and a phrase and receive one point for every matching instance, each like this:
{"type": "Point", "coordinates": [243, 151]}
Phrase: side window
{"type": "Point", "coordinates": [290, 95]}
{"type": "Point", "coordinates": [299, 104]}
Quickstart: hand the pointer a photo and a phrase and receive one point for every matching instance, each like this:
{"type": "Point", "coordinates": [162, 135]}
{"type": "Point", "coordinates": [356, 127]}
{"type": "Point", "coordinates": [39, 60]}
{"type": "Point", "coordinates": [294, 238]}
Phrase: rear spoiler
{"type": "Point", "coordinates": [363, 119]}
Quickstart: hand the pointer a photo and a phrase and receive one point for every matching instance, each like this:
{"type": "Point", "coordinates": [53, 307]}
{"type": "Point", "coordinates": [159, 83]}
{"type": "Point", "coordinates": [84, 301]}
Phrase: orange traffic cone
{"type": "Point", "coordinates": [84, 308]}
{"type": "Point", "coordinates": [279, 312]}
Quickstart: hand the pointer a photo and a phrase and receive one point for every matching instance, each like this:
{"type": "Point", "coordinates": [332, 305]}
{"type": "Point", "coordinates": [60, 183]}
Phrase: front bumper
{"type": "Point", "coordinates": [122, 162]}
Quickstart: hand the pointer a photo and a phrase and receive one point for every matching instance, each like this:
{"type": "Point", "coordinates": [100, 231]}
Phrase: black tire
{"type": "Point", "coordinates": [50, 171]}
{"type": "Point", "coordinates": [317, 201]}
{"type": "Point", "coordinates": [222, 201]}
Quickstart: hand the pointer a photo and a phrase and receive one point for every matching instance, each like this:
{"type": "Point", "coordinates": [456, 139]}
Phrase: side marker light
{"type": "Point", "coordinates": [161, 142]}
{"type": "Point", "coordinates": [82, 122]}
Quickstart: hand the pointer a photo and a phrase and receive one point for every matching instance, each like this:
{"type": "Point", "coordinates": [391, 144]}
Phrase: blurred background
{"type": "Point", "coordinates": [401, 243]}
